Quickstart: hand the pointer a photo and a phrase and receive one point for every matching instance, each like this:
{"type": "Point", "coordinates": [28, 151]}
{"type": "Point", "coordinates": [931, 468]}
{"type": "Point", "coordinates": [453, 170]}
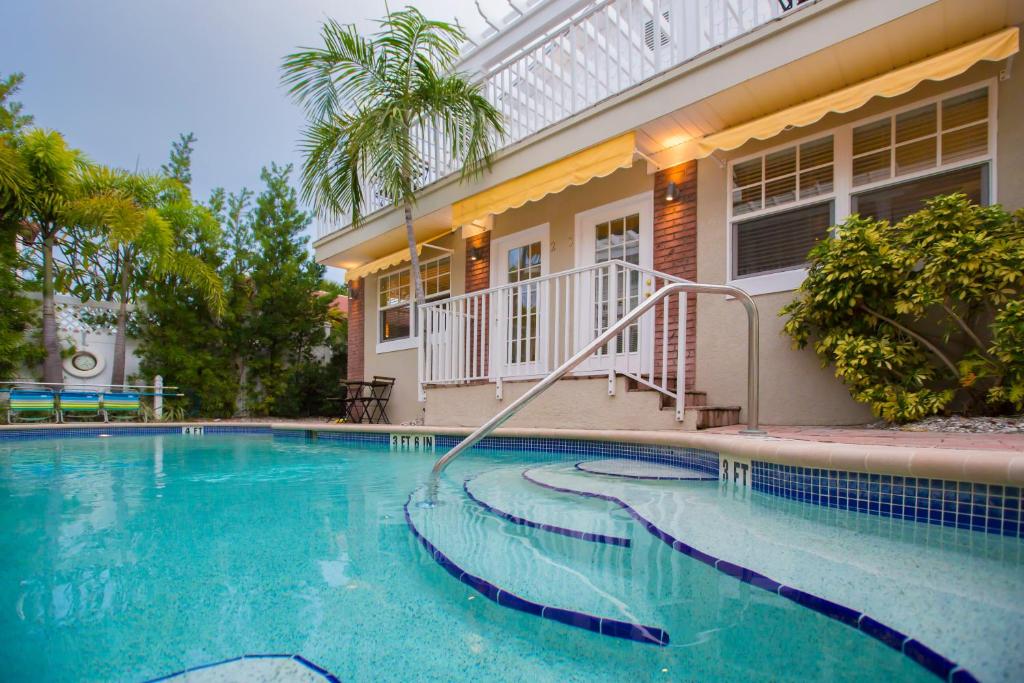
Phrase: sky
{"type": "Point", "coordinates": [122, 78]}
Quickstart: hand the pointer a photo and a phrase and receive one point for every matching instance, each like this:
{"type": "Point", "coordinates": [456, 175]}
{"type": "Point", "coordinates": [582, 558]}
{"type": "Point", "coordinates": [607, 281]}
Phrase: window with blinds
{"type": "Point", "coordinates": [779, 241]}
{"type": "Point", "coordinates": [782, 202]}
{"type": "Point", "coordinates": [395, 296]}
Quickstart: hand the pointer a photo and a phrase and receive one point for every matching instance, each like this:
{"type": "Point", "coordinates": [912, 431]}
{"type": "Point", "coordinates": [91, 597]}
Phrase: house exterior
{"type": "Point", "coordinates": [652, 142]}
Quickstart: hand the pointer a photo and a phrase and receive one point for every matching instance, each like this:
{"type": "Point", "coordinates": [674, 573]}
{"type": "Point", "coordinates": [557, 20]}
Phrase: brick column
{"type": "Point", "coordinates": [478, 277]}
{"type": "Point", "coordinates": [675, 251]}
{"type": "Point", "coordinates": [356, 327]}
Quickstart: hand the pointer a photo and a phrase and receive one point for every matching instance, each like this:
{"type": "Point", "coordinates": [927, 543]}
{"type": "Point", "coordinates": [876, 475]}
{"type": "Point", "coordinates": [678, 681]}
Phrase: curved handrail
{"type": "Point", "coordinates": [603, 339]}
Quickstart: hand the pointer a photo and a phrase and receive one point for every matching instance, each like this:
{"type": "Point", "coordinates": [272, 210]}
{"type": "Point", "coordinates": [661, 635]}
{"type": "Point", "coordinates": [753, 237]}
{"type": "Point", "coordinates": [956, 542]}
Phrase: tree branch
{"type": "Point", "coordinates": [916, 337]}
{"type": "Point", "coordinates": [967, 330]}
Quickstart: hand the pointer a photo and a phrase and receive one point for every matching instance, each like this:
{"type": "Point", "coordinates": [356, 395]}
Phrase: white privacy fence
{"type": "Point", "coordinates": [526, 329]}
{"type": "Point", "coordinates": [604, 49]}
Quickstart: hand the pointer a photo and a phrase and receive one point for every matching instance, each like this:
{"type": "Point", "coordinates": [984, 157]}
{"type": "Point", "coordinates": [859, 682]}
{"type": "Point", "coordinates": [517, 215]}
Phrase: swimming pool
{"type": "Point", "coordinates": [134, 557]}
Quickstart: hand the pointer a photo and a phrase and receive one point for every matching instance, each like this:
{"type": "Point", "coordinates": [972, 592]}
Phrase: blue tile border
{"type": "Point", "coordinates": [990, 508]}
{"type": "Point", "coordinates": [93, 431]}
{"type": "Point", "coordinates": [299, 659]}
{"type": "Point", "coordinates": [604, 626]}
{"type": "Point", "coordinates": [914, 649]}
{"type": "Point", "coordinates": [522, 521]}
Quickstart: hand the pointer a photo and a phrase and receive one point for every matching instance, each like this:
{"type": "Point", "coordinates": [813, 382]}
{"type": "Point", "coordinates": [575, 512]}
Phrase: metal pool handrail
{"type": "Point", "coordinates": [609, 335]}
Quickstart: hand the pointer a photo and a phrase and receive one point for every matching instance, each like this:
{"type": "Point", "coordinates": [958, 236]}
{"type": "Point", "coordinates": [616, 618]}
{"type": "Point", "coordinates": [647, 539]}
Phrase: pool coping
{"type": "Point", "coordinates": [1004, 467]}
{"type": "Point", "coordinates": [958, 464]}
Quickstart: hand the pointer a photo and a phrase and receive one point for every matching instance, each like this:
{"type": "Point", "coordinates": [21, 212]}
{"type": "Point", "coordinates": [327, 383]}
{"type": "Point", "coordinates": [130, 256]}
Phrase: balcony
{"type": "Point", "coordinates": [594, 51]}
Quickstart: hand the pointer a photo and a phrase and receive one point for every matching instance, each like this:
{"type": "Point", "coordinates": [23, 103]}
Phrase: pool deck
{"type": "Point", "coordinates": [982, 458]}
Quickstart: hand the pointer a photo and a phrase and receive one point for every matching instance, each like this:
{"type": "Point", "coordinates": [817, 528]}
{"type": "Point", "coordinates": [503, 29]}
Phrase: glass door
{"type": "Point", "coordinates": [520, 259]}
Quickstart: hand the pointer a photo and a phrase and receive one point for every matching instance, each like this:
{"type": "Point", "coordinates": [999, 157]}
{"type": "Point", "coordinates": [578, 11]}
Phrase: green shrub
{"type": "Point", "coordinates": [922, 316]}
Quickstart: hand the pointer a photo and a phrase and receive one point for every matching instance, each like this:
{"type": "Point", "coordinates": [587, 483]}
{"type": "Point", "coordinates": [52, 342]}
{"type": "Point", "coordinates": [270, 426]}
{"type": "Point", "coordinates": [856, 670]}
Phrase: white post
{"type": "Point", "coordinates": [158, 399]}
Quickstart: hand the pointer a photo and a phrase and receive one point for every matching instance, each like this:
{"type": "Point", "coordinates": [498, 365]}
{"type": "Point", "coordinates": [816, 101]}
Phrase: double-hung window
{"type": "Point", "coordinates": [396, 299]}
{"type": "Point", "coordinates": [782, 202]}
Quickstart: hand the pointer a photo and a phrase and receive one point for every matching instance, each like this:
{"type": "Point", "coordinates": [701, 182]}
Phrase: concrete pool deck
{"type": "Point", "coordinates": [981, 458]}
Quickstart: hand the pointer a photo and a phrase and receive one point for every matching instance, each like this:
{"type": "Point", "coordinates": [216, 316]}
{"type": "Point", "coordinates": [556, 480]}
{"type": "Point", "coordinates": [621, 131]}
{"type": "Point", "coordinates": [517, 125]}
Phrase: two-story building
{"type": "Point", "coordinates": [652, 141]}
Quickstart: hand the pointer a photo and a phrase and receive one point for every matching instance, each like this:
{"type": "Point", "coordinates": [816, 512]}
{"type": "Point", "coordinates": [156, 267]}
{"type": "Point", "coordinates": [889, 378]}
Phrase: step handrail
{"type": "Point", "coordinates": [609, 335]}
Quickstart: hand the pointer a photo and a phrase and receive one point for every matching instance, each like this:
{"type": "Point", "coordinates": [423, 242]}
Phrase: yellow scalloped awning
{"type": "Point", "coordinates": [994, 47]}
{"type": "Point", "coordinates": [389, 261]}
{"type": "Point", "coordinates": [593, 162]}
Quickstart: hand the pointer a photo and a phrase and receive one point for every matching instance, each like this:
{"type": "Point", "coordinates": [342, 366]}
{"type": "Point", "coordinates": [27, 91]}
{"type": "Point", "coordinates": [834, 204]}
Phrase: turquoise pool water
{"type": "Point", "coordinates": [130, 558]}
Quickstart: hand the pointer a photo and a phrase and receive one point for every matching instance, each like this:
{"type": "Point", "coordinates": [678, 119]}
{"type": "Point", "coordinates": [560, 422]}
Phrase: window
{"type": "Point", "coordinates": [785, 200]}
{"type": "Point", "coordinates": [926, 137]}
{"type": "Point", "coordinates": [396, 297]}
{"type": "Point", "coordinates": [779, 241]}
{"type": "Point", "coordinates": [783, 197]}
{"type": "Point", "coordinates": [895, 202]}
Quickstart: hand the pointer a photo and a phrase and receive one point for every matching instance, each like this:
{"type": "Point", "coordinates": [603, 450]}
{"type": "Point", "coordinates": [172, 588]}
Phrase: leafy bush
{"type": "Point", "coordinates": [922, 316]}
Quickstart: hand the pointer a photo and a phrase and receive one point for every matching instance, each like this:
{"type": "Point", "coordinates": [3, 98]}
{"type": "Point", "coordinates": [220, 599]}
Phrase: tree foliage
{"type": "Point", "coordinates": [365, 98]}
{"type": "Point", "coordinates": [921, 316]}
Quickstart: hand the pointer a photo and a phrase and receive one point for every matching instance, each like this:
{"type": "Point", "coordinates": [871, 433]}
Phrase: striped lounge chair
{"type": "Point", "coordinates": [76, 405]}
{"type": "Point", "coordinates": [122, 406]}
{"type": "Point", "coordinates": [31, 406]}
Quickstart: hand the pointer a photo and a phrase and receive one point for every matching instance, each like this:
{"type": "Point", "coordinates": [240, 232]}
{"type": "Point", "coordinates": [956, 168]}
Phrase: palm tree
{"type": "Point", "coordinates": [365, 97]}
{"type": "Point", "coordinates": [54, 174]}
{"type": "Point", "coordinates": [136, 217]}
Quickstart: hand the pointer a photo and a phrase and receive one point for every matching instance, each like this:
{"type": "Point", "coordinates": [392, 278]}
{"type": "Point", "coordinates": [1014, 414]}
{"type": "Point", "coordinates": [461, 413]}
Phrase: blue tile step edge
{"type": "Point", "coordinates": [522, 521]}
{"type": "Point", "coordinates": [602, 625]}
{"type": "Point", "coordinates": [588, 467]}
{"type": "Point", "coordinates": [914, 649]}
{"type": "Point", "coordinates": [299, 659]}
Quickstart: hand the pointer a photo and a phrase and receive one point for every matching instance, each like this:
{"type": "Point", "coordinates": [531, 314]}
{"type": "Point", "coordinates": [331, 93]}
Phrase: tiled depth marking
{"type": "Point", "coordinates": [917, 651]}
{"type": "Point", "coordinates": [522, 521]}
{"type": "Point", "coordinates": [135, 430]}
{"type": "Point", "coordinates": [604, 626]}
{"type": "Point", "coordinates": [299, 659]}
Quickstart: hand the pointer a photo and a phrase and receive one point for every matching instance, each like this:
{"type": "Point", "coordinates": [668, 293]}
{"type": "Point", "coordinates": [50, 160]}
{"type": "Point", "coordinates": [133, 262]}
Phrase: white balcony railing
{"type": "Point", "coordinates": [604, 49]}
{"type": "Point", "coordinates": [526, 329]}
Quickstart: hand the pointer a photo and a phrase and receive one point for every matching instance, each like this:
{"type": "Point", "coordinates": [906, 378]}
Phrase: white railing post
{"type": "Point", "coordinates": [421, 354]}
{"type": "Point", "coordinates": [158, 397]}
{"type": "Point", "coordinates": [681, 358]}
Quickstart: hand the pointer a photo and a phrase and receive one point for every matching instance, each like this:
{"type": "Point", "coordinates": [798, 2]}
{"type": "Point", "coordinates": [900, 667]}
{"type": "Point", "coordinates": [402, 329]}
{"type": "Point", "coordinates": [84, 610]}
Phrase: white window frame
{"type": "Point", "coordinates": [842, 182]}
{"type": "Point", "coordinates": [412, 340]}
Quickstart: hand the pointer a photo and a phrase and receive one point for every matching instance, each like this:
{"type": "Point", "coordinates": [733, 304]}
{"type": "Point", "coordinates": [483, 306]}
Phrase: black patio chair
{"type": "Point", "coordinates": [375, 406]}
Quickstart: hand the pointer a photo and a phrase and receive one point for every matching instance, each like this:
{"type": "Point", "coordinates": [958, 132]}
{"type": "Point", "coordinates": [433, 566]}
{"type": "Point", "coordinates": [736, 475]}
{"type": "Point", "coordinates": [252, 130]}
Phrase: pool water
{"type": "Point", "coordinates": [129, 558]}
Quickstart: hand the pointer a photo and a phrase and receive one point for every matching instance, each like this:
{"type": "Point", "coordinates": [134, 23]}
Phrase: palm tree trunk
{"type": "Point", "coordinates": [414, 259]}
{"type": "Point", "coordinates": [120, 343]}
{"type": "Point", "coordinates": [52, 370]}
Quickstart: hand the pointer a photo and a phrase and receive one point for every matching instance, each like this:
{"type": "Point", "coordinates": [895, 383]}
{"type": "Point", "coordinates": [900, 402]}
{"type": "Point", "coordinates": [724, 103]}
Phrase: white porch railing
{"type": "Point", "coordinates": [605, 48]}
{"type": "Point", "coordinates": [524, 330]}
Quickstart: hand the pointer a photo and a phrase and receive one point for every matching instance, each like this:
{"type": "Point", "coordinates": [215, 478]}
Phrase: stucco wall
{"type": "Point", "coordinates": [794, 387]}
{"type": "Point", "coordinates": [559, 210]}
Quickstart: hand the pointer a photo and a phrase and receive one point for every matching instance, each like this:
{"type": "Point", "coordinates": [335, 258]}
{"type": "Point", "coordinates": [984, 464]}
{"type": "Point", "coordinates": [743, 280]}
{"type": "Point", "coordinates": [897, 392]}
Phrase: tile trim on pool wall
{"type": "Point", "coordinates": [991, 508]}
{"type": "Point", "coordinates": [914, 649]}
{"type": "Point", "coordinates": [143, 429]}
{"type": "Point", "coordinates": [602, 625]}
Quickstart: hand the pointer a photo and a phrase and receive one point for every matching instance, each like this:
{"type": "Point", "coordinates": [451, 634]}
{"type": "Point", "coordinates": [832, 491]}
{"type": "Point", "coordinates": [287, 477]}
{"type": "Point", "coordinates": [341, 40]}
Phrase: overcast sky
{"type": "Point", "coordinates": [122, 78]}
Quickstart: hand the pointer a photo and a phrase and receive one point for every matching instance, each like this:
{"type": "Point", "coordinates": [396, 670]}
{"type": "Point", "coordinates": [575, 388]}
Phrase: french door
{"type": "Point", "coordinates": [620, 231]}
{"type": "Point", "coordinates": [521, 307]}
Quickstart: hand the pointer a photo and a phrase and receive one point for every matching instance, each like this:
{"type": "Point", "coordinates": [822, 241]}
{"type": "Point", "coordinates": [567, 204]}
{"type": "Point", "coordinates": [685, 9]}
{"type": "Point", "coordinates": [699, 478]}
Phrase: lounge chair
{"type": "Point", "coordinates": [31, 406]}
{"type": "Point", "coordinates": [122, 406]}
{"type": "Point", "coordinates": [79, 405]}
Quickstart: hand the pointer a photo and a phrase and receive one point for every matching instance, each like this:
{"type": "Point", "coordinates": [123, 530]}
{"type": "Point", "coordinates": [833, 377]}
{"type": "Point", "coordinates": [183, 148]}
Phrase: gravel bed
{"type": "Point", "coordinates": [961, 424]}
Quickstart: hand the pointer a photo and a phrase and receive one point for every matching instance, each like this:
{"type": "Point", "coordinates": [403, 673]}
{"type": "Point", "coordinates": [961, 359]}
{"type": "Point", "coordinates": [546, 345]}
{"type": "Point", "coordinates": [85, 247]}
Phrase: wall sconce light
{"type": "Point", "coordinates": [353, 293]}
{"type": "Point", "coordinates": [476, 253]}
{"type": "Point", "coordinates": [671, 193]}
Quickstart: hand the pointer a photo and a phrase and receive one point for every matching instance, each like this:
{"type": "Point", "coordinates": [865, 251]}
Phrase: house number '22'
{"type": "Point", "coordinates": [737, 471]}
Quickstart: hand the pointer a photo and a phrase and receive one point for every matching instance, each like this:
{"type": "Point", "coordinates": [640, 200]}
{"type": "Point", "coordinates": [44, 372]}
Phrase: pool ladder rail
{"type": "Point", "coordinates": [609, 335]}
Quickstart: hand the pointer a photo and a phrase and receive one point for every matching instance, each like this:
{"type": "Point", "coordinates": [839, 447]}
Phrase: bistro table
{"type": "Point", "coordinates": [352, 408]}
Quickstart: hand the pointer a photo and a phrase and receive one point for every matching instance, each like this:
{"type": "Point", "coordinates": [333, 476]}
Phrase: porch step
{"type": "Point", "coordinates": [717, 416]}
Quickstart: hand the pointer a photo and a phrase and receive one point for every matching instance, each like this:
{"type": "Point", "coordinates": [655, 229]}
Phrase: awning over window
{"type": "Point", "coordinates": [389, 261]}
{"type": "Point", "coordinates": [593, 162]}
{"type": "Point", "coordinates": [994, 47]}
